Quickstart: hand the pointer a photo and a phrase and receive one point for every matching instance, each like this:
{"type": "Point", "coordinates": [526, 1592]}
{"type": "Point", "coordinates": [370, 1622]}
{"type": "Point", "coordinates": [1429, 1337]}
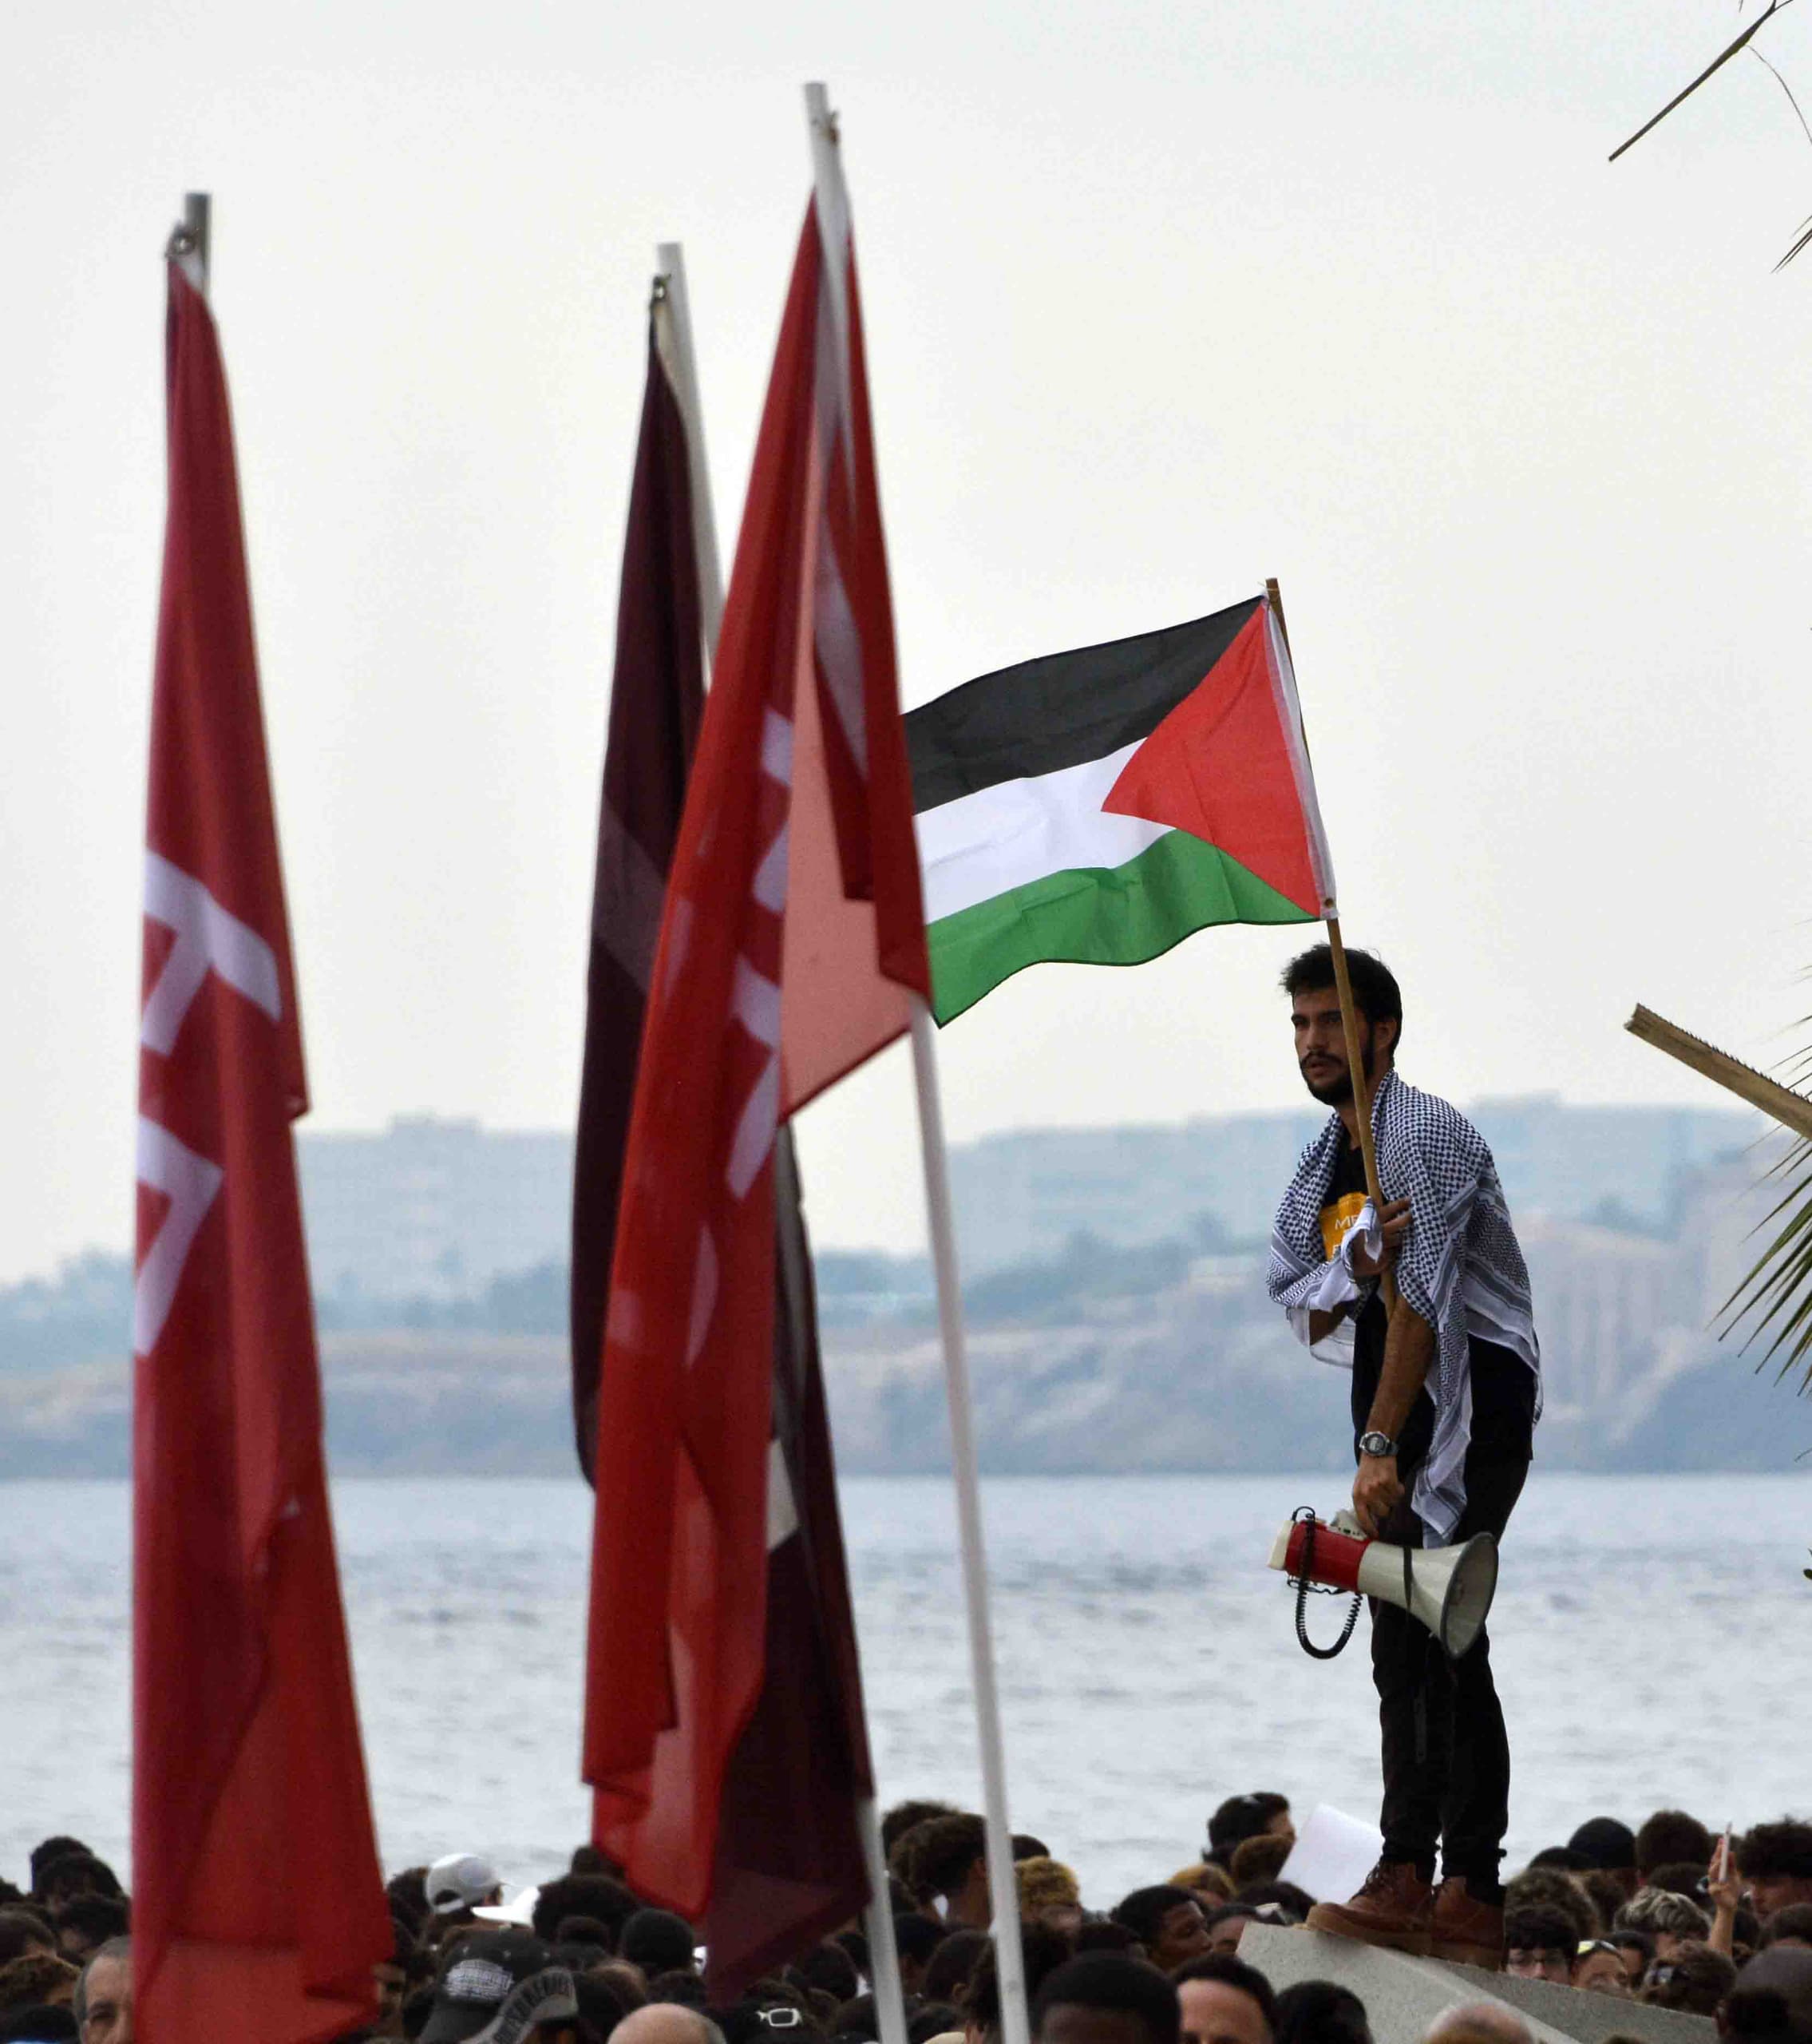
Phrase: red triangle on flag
{"type": "Point", "coordinates": [1219, 767]}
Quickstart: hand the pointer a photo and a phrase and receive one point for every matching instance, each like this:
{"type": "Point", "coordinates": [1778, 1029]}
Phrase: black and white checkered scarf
{"type": "Point", "coordinates": [1460, 1268]}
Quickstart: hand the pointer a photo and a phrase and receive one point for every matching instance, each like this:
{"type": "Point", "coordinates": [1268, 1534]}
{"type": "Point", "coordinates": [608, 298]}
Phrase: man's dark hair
{"type": "Point", "coordinates": [1247, 1912]}
{"type": "Point", "coordinates": [1375, 992]}
{"type": "Point", "coordinates": [654, 1939]}
{"type": "Point", "coordinates": [829, 1967]}
{"type": "Point", "coordinates": [678, 1984]}
{"type": "Point", "coordinates": [55, 1848]}
{"type": "Point", "coordinates": [915, 1936]}
{"type": "Point", "coordinates": [934, 1857]}
{"type": "Point", "coordinates": [1793, 1922]}
{"type": "Point", "coordinates": [408, 1895]}
{"type": "Point", "coordinates": [1627, 1937]}
{"type": "Point", "coordinates": [71, 1874]}
{"type": "Point", "coordinates": [952, 1965]}
{"type": "Point", "coordinates": [1537, 1888]}
{"type": "Point", "coordinates": [1680, 1877]}
{"type": "Point", "coordinates": [121, 1948]}
{"type": "Point", "coordinates": [1256, 1860]}
{"type": "Point", "coordinates": [1043, 1949]}
{"type": "Point", "coordinates": [931, 2019]}
{"type": "Point", "coordinates": [1783, 1849]}
{"type": "Point", "coordinates": [1772, 1997]}
{"type": "Point", "coordinates": [1118, 1986]}
{"type": "Point", "coordinates": [1696, 1979]}
{"type": "Point", "coordinates": [1672, 1834]}
{"type": "Point", "coordinates": [1102, 1934]}
{"type": "Point", "coordinates": [20, 1928]}
{"type": "Point", "coordinates": [1241, 1817]}
{"type": "Point", "coordinates": [1231, 1972]}
{"type": "Point", "coordinates": [1027, 1846]}
{"type": "Point", "coordinates": [1605, 1842]}
{"type": "Point", "coordinates": [1144, 1910]}
{"type": "Point", "coordinates": [1567, 1858]}
{"type": "Point", "coordinates": [1320, 2012]}
{"type": "Point", "coordinates": [94, 1919]}
{"type": "Point", "coordinates": [1540, 1928]}
{"type": "Point", "coordinates": [596, 1896]}
{"type": "Point", "coordinates": [901, 1818]}
{"type": "Point", "coordinates": [44, 2024]}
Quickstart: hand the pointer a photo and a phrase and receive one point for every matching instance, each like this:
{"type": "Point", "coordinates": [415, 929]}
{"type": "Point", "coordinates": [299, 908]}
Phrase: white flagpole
{"type": "Point", "coordinates": [833, 226]}
{"type": "Point", "coordinates": [189, 244]}
{"type": "Point", "coordinates": [1003, 1889]}
{"type": "Point", "coordinates": [673, 338]}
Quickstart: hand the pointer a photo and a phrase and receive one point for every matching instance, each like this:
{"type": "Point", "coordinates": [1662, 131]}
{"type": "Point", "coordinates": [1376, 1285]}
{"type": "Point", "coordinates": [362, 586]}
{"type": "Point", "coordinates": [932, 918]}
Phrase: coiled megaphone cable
{"type": "Point", "coordinates": [1304, 1514]}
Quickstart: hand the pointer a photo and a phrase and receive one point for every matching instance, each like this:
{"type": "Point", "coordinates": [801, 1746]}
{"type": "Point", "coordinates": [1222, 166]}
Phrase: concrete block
{"type": "Point", "coordinates": [1403, 1996]}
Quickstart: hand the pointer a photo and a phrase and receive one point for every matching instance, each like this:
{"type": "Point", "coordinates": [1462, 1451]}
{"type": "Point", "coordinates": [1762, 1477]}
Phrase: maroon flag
{"type": "Point", "coordinates": [792, 940]}
{"type": "Point", "coordinates": [259, 1910]}
{"type": "Point", "coordinates": [657, 697]}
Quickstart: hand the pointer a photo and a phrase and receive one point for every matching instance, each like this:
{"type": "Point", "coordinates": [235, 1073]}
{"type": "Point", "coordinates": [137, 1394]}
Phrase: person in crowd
{"type": "Point", "coordinates": [1277, 1902]}
{"type": "Point", "coordinates": [1042, 1950]}
{"type": "Point", "coordinates": [1049, 1893]}
{"type": "Point", "coordinates": [1547, 1888]}
{"type": "Point", "coordinates": [667, 2023]}
{"type": "Point", "coordinates": [1668, 1837]}
{"type": "Point", "coordinates": [1106, 1998]}
{"type": "Point", "coordinates": [1670, 1919]}
{"type": "Point", "coordinates": [659, 1942]}
{"type": "Point", "coordinates": [1262, 1814]}
{"type": "Point", "coordinates": [1446, 1392]}
{"type": "Point", "coordinates": [456, 1885]}
{"type": "Point", "coordinates": [1597, 1968]}
{"type": "Point", "coordinates": [600, 1897]}
{"type": "Point", "coordinates": [907, 1816]}
{"type": "Point", "coordinates": [84, 1922]}
{"type": "Point", "coordinates": [22, 1931]}
{"type": "Point", "coordinates": [1225, 1924]}
{"type": "Point", "coordinates": [41, 1979]}
{"type": "Point", "coordinates": [1256, 1860]}
{"type": "Point", "coordinates": [1636, 1952]}
{"type": "Point", "coordinates": [497, 1984]}
{"type": "Point", "coordinates": [1772, 1999]}
{"type": "Point", "coordinates": [1211, 1883]}
{"type": "Point", "coordinates": [1791, 1926]}
{"type": "Point", "coordinates": [1775, 1862]}
{"type": "Point", "coordinates": [1168, 1922]}
{"type": "Point", "coordinates": [943, 1862]}
{"type": "Point", "coordinates": [1479, 2022]}
{"type": "Point", "coordinates": [1320, 2012]}
{"type": "Point", "coordinates": [1539, 1943]}
{"type": "Point", "coordinates": [1607, 1893]}
{"type": "Point", "coordinates": [1696, 1980]}
{"type": "Point", "coordinates": [953, 1964]}
{"type": "Point", "coordinates": [1224, 2001]}
{"type": "Point", "coordinates": [915, 1938]}
{"type": "Point", "coordinates": [102, 2003]}
{"type": "Point", "coordinates": [1609, 1847]}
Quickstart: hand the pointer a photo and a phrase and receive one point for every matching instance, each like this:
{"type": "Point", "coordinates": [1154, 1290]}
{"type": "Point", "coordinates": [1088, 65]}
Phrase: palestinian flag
{"type": "Point", "coordinates": [1097, 807]}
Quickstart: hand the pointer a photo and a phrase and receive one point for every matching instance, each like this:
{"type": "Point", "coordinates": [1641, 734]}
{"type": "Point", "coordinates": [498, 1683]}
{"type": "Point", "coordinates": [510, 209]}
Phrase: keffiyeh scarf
{"type": "Point", "coordinates": [1460, 1269]}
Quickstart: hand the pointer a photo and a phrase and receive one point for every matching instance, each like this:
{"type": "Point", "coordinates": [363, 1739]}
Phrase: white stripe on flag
{"type": "Point", "coordinates": [999, 839]}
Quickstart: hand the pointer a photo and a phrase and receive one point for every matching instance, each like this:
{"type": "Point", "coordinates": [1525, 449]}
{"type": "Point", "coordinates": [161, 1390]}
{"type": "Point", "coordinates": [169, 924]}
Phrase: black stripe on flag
{"type": "Point", "coordinates": [1061, 709]}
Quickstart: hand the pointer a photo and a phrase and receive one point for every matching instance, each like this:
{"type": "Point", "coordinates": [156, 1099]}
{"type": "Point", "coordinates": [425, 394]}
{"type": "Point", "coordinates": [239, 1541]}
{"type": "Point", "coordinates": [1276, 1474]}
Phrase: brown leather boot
{"type": "Point", "coordinates": [1463, 1928]}
{"type": "Point", "coordinates": [1392, 1909]}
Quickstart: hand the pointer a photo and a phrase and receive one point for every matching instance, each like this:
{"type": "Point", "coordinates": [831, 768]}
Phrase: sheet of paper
{"type": "Point", "coordinates": [1332, 1855]}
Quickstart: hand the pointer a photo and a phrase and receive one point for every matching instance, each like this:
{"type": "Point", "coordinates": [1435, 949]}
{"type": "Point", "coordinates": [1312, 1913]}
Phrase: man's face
{"type": "Point", "coordinates": [1531, 1962]}
{"type": "Point", "coordinates": [1667, 1945]}
{"type": "Point", "coordinates": [110, 2003]}
{"type": "Point", "coordinates": [1768, 1893]}
{"type": "Point", "coordinates": [1182, 1934]}
{"type": "Point", "coordinates": [1225, 1935]}
{"type": "Point", "coordinates": [1634, 1961]}
{"type": "Point", "coordinates": [1216, 2012]}
{"type": "Point", "coordinates": [392, 1984]}
{"type": "Point", "coordinates": [1321, 1044]}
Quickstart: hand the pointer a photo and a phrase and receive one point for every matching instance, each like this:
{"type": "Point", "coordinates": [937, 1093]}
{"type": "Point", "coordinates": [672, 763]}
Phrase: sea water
{"type": "Point", "coordinates": [1652, 1639]}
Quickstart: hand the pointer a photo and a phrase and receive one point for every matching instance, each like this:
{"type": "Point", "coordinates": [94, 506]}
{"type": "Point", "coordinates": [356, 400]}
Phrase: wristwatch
{"type": "Point", "coordinates": [1376, 1445]}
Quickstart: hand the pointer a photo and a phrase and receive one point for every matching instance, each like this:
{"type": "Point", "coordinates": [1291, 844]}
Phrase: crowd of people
{"type": "Point", "coordinates": [1665, 1914]}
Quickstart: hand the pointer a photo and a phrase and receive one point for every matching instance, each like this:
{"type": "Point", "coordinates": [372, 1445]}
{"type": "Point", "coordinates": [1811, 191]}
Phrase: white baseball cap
{"type": "Point", "coordinates": [459, 1881]}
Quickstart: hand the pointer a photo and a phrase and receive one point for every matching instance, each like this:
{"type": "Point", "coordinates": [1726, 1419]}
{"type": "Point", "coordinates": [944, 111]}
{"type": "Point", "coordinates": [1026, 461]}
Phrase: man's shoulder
{"type": "Point", "coordinates": [1426, 1116]}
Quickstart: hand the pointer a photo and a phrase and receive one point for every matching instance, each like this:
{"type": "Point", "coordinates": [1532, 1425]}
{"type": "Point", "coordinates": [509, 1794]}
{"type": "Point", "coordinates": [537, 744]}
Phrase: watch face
{"type": "Point", "coordinates": [1375, 1444]}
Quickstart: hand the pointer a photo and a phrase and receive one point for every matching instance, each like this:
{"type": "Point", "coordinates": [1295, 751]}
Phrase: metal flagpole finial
{"type": "Point", "coordinates": [189, 239]}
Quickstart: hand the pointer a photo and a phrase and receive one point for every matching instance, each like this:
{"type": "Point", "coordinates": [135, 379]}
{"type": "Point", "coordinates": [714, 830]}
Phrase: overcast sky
{"type": "Point", "coordinates": [1161, 299]}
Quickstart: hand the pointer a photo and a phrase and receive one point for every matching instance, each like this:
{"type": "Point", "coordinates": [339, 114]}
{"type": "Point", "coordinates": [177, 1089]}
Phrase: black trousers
{"type": "Point", "coordinates": [1446, 1757]}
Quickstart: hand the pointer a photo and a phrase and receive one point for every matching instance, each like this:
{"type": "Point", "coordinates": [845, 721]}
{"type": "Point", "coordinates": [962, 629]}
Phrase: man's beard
{"type": "Point", "coordinates": [1336, 1092]}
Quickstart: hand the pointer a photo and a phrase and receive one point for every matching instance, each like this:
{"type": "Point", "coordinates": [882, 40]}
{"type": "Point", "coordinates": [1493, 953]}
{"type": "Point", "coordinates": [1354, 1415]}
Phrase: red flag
{"type": "Point", "coordinates": [657, 699]}
{"type": "Point", "coordinates": [259, 1910]}
{"type": "Point", "coordinates": [792, 939]}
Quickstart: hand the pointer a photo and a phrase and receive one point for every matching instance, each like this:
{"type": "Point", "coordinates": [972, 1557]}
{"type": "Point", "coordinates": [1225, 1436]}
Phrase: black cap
{"type": "Point", "coordinates": [1603, 1842]}
{"type": "Point", "coordinates": [496, 1988]}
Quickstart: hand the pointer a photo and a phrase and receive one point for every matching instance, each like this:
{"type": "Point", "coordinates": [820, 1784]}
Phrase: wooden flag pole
{"type": "Point", "coordinates": [1349, 1028]}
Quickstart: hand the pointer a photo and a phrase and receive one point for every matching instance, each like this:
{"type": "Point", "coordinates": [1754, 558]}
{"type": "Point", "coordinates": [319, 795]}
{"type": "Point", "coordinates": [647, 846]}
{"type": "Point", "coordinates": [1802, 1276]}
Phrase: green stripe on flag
{"type": "Point", "coordinates": [1123, 915]}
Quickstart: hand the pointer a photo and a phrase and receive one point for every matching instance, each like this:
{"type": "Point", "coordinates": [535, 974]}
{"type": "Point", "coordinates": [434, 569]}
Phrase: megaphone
{"type": "Point", "coordinates": [1449, 1589]}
